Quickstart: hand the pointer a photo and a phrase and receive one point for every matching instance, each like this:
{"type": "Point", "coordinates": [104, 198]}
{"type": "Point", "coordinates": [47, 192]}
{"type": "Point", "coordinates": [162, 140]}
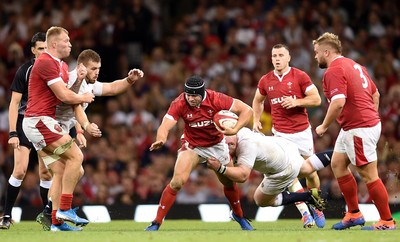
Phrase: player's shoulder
{"type": "Point", "coordinates": [45, 59]}
{"type": "Point", "coordinates": [267, 76]}
{"type": "Point", "coordinates": [179, 100]}
{"type": "Point", "coordinates": [297, 71]}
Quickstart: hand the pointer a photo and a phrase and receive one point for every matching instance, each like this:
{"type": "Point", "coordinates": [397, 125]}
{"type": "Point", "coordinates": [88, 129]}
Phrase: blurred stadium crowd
{"type": "Point", "coordinates": [228, 42]}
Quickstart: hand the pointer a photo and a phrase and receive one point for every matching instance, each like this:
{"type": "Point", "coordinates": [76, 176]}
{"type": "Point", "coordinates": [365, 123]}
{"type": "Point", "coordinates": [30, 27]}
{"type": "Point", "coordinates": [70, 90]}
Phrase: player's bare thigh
{"type": "Point", "coordinates": [185, 163]}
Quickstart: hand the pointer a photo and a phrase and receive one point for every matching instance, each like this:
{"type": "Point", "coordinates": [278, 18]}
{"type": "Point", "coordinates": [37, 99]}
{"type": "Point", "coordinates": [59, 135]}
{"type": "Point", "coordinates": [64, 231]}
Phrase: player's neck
{"type": "Point", "coordinates": [333, 58]}
{"type": "Point", "coordinates": [54, 54]}
{"type": "Point", "coordinates": [282, 71]}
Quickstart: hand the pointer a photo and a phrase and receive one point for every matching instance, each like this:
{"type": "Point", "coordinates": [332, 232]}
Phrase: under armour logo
{"type": "Point", "coordinates": [189, 115]}
{"type": "Point", "coordinates": [270, 88]}
{"type": "Point", "coordinates": [162, 206]}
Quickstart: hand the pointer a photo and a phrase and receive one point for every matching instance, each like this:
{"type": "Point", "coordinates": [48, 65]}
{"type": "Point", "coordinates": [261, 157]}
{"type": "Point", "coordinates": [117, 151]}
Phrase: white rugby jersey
{"type": "Point", "coordinates": [266, 154]}
{"type": "Point", "coordinates": [64, 113]}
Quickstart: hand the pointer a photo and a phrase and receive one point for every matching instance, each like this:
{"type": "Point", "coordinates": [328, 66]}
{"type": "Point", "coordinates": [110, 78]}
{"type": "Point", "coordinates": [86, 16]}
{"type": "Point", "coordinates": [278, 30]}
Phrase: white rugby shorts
{"type": "Point", "coordinates": [277, 183]}
{"type": "Point", "coordinates": [304, 140]}
{"type": "Point", "coordinates": [42, 131]}
{"type": "Point", "coordinates": [219, 151]}
{"type": "Point", "coordinates": [359, 144]}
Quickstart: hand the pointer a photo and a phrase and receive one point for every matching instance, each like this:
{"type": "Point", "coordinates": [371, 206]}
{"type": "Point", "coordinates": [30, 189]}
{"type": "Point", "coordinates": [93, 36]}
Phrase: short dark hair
{"type": "Point", "coordinates": [88, 55]}
{"type": "Point", "coordinates": [39, 36]}
{"type": "Point", "coordinates": [278, 46]}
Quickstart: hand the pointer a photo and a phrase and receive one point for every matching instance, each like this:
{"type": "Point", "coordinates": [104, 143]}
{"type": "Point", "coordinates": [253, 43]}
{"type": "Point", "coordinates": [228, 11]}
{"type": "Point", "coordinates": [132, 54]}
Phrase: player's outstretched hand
{"type": "Point", "coordinates": [156, 145]}
{"type": "Point", "coordinates": [134, 75]}
{"type": "Point", "coordinates": [93, 130]}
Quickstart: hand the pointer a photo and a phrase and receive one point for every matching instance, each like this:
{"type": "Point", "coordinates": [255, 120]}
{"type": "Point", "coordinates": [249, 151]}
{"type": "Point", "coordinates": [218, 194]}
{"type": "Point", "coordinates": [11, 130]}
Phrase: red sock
{"type": "Point", "coordinates": [53, 218]}
{"type": "Point", "coordinates": [66, 201]}
{"type": "Point", "coordinates": [379, 196]}
{"type": "Point", "coordinates": [232, 194]}
{"type": "Point", "coordinates": [167, 200]}
{"type": "Point", "coordinates": [348, 186]}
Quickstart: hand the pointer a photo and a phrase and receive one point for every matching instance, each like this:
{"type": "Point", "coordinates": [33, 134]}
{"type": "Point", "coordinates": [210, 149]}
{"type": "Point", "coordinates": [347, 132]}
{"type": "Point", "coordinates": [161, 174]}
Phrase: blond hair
{"type": "Point", "coordinates": [331, 40]}
{"type": "Point", "coordinates": [54, 31]}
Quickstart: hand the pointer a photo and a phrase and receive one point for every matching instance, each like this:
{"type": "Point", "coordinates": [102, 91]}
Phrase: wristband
{"type": "Point", "coordinates": [85, 125]}
{"type": "Point", "coordinates": [129, 80]}
{"type": "Point", "coordinates": [12, 134]}
{"type": "Point", "coordinates": [80, 131]}
{"type": "Point", "coordinates": [221, 169]}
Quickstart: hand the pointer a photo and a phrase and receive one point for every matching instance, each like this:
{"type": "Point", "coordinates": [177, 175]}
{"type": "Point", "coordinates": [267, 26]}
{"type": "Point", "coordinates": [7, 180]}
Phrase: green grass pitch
{"type": "Point", "coordinates": [194, 230]}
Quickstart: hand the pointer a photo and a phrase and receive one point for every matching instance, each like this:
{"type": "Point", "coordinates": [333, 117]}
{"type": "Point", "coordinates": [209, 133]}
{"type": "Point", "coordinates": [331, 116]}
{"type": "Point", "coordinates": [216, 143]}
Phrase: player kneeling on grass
{"type": "Point", "coordinates": [280, 162]}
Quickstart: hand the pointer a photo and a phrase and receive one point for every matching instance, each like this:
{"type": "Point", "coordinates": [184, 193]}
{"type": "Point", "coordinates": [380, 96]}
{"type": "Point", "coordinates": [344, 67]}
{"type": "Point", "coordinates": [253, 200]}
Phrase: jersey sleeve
{"type": "Point", "coordinates": [19, 83]}
{"type": "Point", "coordinates": [336, 83]}
{"type": "Point", "coordinates": [73, 76]}
{"type": "Point", "coordinates": [261, 84]}
{"type": "Point", "coordinates": [48, 71]}
{"type": "Point", "coordinates": [305, 82]}
{"type": "Point", "coordinates": [98, 88]}
{"type": "Point", "coordinates": [175, 109]}
{"type": "Point", "coordinates": [223, 101]}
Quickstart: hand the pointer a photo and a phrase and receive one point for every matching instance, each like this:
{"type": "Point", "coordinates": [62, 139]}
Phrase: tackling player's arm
{"type": "Point", "coordinates": [118, 86]}
{"type": "Point", "coordinates": [334, 110]}
{"type": "Point", "coordinates": [162, 133]}
{"type": "Point", "coordinates": [238, 173]}
{"type": "Point", "coordinates": [258, 108]}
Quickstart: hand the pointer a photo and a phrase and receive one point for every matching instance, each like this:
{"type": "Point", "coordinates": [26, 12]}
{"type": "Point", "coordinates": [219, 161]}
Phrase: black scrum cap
{"type": "Point", "coordinates": [195, 85]}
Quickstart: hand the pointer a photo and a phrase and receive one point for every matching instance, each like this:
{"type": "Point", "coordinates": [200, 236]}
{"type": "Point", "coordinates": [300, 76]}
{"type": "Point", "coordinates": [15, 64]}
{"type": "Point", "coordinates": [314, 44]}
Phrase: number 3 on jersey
{"type": "Point", "coordinates": [365, 81]}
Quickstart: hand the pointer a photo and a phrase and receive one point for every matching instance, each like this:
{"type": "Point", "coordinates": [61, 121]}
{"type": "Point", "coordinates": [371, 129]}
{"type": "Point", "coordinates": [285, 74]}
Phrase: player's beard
{"type": "Point", "coordinates": [322, 64]}
{"type": "Point", "coordinates": [90, 80]}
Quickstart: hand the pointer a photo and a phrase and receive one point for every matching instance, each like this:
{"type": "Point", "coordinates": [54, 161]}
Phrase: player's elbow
{"type": "Point", "coordinates": [242, 177]}
{"type": "Point", "coordinates": [317, 101]}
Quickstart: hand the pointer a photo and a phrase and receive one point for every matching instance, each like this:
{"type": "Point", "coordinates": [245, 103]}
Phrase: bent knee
{"type": "Point", "coordinates": [262, 203]}
{"type": "Point", "coordinates": [177, 184]}
{"type": "Point", "coordinates": [19, 173]}
{"type": "Point", "coordinates": [45, 176]}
